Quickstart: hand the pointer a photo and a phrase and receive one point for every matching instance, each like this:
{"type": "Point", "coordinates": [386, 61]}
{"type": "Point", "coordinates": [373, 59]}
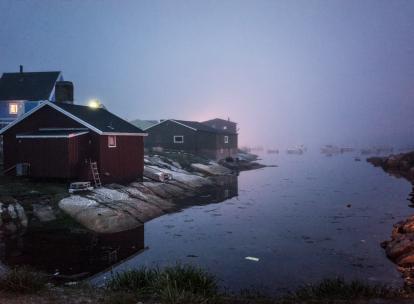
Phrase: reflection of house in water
{"type": "Point", "coordinates": [78, 253]}
{"type": "Point", "coordinates": [227, 188]}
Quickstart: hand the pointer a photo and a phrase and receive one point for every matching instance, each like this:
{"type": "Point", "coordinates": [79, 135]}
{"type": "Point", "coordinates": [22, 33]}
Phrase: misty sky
{"type": "Point", "coordinates": [289, 72]}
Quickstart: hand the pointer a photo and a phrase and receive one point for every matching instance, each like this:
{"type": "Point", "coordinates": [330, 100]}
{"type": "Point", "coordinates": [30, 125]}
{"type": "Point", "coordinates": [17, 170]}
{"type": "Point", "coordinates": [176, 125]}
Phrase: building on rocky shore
{"type": "Point", "coordinates": [61, 140]}
{"type": "Point", "coordinates": [222, 124]}
{"type": "Point", "coordinates": [193, 137]}
{"type": "Point", "coordinates": [22, 91]}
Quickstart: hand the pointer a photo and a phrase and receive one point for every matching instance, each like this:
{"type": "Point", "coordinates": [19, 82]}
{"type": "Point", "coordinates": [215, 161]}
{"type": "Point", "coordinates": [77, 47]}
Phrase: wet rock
{"type": "Point", "coordinates": [13, 219]}
{"type": "Point", "coordinates": [400, 249]}
{"type": "Point", "coordinates": [103, 214]}
{"type": "Point", "coordinates": [211, 169]}
{"type": "Point", "coordinates": [43, 213]}
{"type": "Point", "coordinates": [377, 161]}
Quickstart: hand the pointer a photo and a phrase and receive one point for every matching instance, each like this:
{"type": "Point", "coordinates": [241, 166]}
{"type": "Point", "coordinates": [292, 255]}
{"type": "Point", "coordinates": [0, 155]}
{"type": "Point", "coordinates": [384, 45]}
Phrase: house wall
{"type": "Point", "coordinates": [212, 145]}
{"type": "Point", "coordinates": [48, 158]}
{"type": "Point", "coordinates": [162, 135]}
{"type": "Point", "coordinates": [123, 163]}
{"type": "Point", "coordinates": [207, 144]}
{"type": "Point", "coordinates": [43, 118]}
{"type": "Point", "coordinates": [69, 158]}
{"type": "Point", "coordinates": [24, 107]}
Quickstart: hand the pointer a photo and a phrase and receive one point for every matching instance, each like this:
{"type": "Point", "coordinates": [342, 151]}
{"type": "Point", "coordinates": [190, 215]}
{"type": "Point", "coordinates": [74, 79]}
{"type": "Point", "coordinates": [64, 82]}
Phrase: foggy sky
{"type": "Point", "coordinates": [289, 72]}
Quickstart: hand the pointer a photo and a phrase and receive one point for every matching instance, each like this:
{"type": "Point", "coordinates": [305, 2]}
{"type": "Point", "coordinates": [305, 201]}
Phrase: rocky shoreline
{"type": "Point", "coordinates": [400, 248]}
{"type": "Point", "coordinates": [33, 211]}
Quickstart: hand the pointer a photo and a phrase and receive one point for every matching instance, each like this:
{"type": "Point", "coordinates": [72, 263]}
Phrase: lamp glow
{"type": "Point", "coordinates": [94, 104]}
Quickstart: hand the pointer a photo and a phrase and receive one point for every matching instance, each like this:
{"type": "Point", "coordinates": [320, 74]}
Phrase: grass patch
{"type": "Point", "coordinates": [178, 284]}
{"type": "Point", "coordinates": [140, 281]}
{"type": "Point", "coordinates": [120, 298]}
{"type": "Point", "coordinates": [338, 289]}
{"type": "Point", "coordinates": [23, 280]}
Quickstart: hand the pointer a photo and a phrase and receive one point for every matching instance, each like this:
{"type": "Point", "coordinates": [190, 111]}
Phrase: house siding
{"type": "Point", "coordinates": [162, 136]}
{"type": "Point", "coordinates": [68, 158]}
{"type": "Point", "coordinates": [207, 144]}
{"type": "Point", "coordinates": [122, 163]}
{"type": "Point", "coordinates": [43, 118]}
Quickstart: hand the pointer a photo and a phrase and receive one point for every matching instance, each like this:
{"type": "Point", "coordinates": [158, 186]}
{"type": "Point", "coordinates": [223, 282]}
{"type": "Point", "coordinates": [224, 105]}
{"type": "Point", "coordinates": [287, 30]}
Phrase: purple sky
{"type": "Point", "coordinates": [289, 72]}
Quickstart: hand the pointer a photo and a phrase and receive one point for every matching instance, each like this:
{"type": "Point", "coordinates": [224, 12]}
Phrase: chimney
{"type": "Point", "coordinates": [21, 69]}
{"type": "Point", "coordinates": [64, 92]}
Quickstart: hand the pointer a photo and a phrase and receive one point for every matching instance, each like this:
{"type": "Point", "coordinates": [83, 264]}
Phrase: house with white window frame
{"type": "Point", "coordinates": [22, 91]}
{"type": "Point", "coordinates": [192, 137]}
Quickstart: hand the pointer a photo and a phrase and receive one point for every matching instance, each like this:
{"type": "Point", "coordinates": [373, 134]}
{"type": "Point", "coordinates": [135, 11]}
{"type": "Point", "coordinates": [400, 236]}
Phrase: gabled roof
{"type": "Point", "coordinates": [52, 134]}
{"type": "Point", "coordinates": [144, 124]}
{"type": "Point", "coordinates": [221, 120]}
{"type": "Point", "coordinates": [27, 86]}
{"type": "Point", "coordinates": [194, 125]}
{"type": "Point", "coordinates": [98, 120]}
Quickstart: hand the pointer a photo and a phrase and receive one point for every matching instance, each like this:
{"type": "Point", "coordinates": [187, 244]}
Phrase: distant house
{"type": "Point", "coordinates": [144, 124]}
{"type": "Point", "coordinates": [20, 92]}
{"type": "Point", "coordinates": [59, 140]}
{"type": "Point", "coordinates": [222, 124]}
{"type": "Point", "coordinates": [193, 137]}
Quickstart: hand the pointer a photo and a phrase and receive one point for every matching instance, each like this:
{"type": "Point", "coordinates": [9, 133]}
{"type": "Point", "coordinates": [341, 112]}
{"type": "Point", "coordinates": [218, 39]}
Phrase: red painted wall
{"type": "Point", "coordinates": [123, 163]}
{"type": "Point", "coordinates": [68, 158]}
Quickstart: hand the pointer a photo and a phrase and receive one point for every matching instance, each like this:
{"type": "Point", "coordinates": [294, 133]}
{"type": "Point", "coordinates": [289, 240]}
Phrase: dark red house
{"type": "Point", "coordinates": [59, 140]}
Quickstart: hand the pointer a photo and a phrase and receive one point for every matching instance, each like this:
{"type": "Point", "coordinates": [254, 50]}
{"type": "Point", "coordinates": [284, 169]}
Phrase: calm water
{"type": "Point", "coordinates": [294, 218]}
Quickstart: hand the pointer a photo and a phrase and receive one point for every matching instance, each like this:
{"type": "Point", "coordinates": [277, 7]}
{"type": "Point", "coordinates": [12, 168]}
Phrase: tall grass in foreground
{"type": "Point", "coordinates": [338, 289]}
{"type": "Point", "coordinates": [178, 284]}
{"type": "Point", "coordinates": [23, 280]}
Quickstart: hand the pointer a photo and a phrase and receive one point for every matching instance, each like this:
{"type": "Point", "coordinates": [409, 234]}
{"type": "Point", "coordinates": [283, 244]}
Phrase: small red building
{"type": "Point", "coordinates": [60, 140]}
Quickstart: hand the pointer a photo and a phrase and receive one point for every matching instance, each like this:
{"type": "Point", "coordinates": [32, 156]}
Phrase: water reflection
{"type": "Point", "coordinates": [70, 253]}
{"type": "Point", "coordinates": [61, 247]}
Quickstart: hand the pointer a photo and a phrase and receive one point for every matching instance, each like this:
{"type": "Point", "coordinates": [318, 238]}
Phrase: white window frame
{"type": "Point", "coordinates": [109, 144]}
{"type": "Point", "coordinates": [12, 105]}
{"type": "Point", "coordinates": [226, 139]}
{"type": "Point", "coordinates": [178, 142]}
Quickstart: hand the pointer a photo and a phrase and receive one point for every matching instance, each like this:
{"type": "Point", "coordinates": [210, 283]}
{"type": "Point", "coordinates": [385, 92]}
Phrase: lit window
{"type": "Point", "coordinates": [111, 141]}
{"type": "Point", "coordinates": [225, 127]}
{"type": "Point", "coordinates": [226, 139]}
{"type": "Point", "coordinates": [178, 139]}
{"type": "Point", "coordinates": [13, 108]}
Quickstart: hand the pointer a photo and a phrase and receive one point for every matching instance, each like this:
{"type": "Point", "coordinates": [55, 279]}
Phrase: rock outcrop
{"type": "Point", "coordinates": [400, 249]}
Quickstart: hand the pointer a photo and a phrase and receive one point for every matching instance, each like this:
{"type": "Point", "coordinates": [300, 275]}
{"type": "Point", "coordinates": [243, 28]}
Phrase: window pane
{"type": "Point", "coordinates": [13, 108]}
{"type": "Point", "coordinates": [111, 141]}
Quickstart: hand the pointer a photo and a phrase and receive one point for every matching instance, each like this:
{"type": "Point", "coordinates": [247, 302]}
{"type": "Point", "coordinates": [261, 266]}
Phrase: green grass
{"type": "Point", "coordinates": [172, 285]}
{"type": "Point", "coordinates": [23, 280]}
{"type": "Point", "coordinates": [140, 281]}
{"type": "Point", "coordinates": [338, 289]}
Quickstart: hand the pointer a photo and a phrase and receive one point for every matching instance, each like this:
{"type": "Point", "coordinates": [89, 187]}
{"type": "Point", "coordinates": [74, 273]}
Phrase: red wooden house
{"type": "Point", "coordinates": [60, 140]}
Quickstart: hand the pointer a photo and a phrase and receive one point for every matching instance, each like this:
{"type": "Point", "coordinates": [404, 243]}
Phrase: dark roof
{"type": "Point", "coordinates": [27, 86]}
{"type": "Point", "coordinates": [100, 118]}
{"type": "Point", "coordinates": [221, 120]}
{"type": "Point", "coordinates": [144, 124]}
{"type": "Point", "coordinates": [53, 133]}
{"type": "Point", "coordinates": [201, 127]}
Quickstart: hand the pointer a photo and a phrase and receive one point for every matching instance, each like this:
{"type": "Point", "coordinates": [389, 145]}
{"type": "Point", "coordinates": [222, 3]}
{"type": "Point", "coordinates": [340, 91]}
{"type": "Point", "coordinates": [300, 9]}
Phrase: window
{"type": "Point", "coordinates": [13, 108]}
{"type": "Point", "coordinates": [178, 139]}
{"type": "Point", "coordinates": [226, 139]}
{"type": "Point", "coordinates": [225, 128]}
{"type": "Point", "coordinates": [111, 141]}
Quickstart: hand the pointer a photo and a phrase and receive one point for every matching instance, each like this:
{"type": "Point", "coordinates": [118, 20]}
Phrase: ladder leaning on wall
{"type": "Point", "coordinates": [95, 174]}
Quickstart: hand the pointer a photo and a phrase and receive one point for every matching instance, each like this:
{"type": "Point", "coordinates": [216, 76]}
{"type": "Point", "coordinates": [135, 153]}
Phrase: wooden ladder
{"type": "Point", "coordinates": [95, 174]}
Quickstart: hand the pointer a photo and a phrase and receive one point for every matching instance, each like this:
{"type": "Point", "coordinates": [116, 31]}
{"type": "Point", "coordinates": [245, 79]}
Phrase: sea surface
{"type": "Point", "coordinates": [311, 217]}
